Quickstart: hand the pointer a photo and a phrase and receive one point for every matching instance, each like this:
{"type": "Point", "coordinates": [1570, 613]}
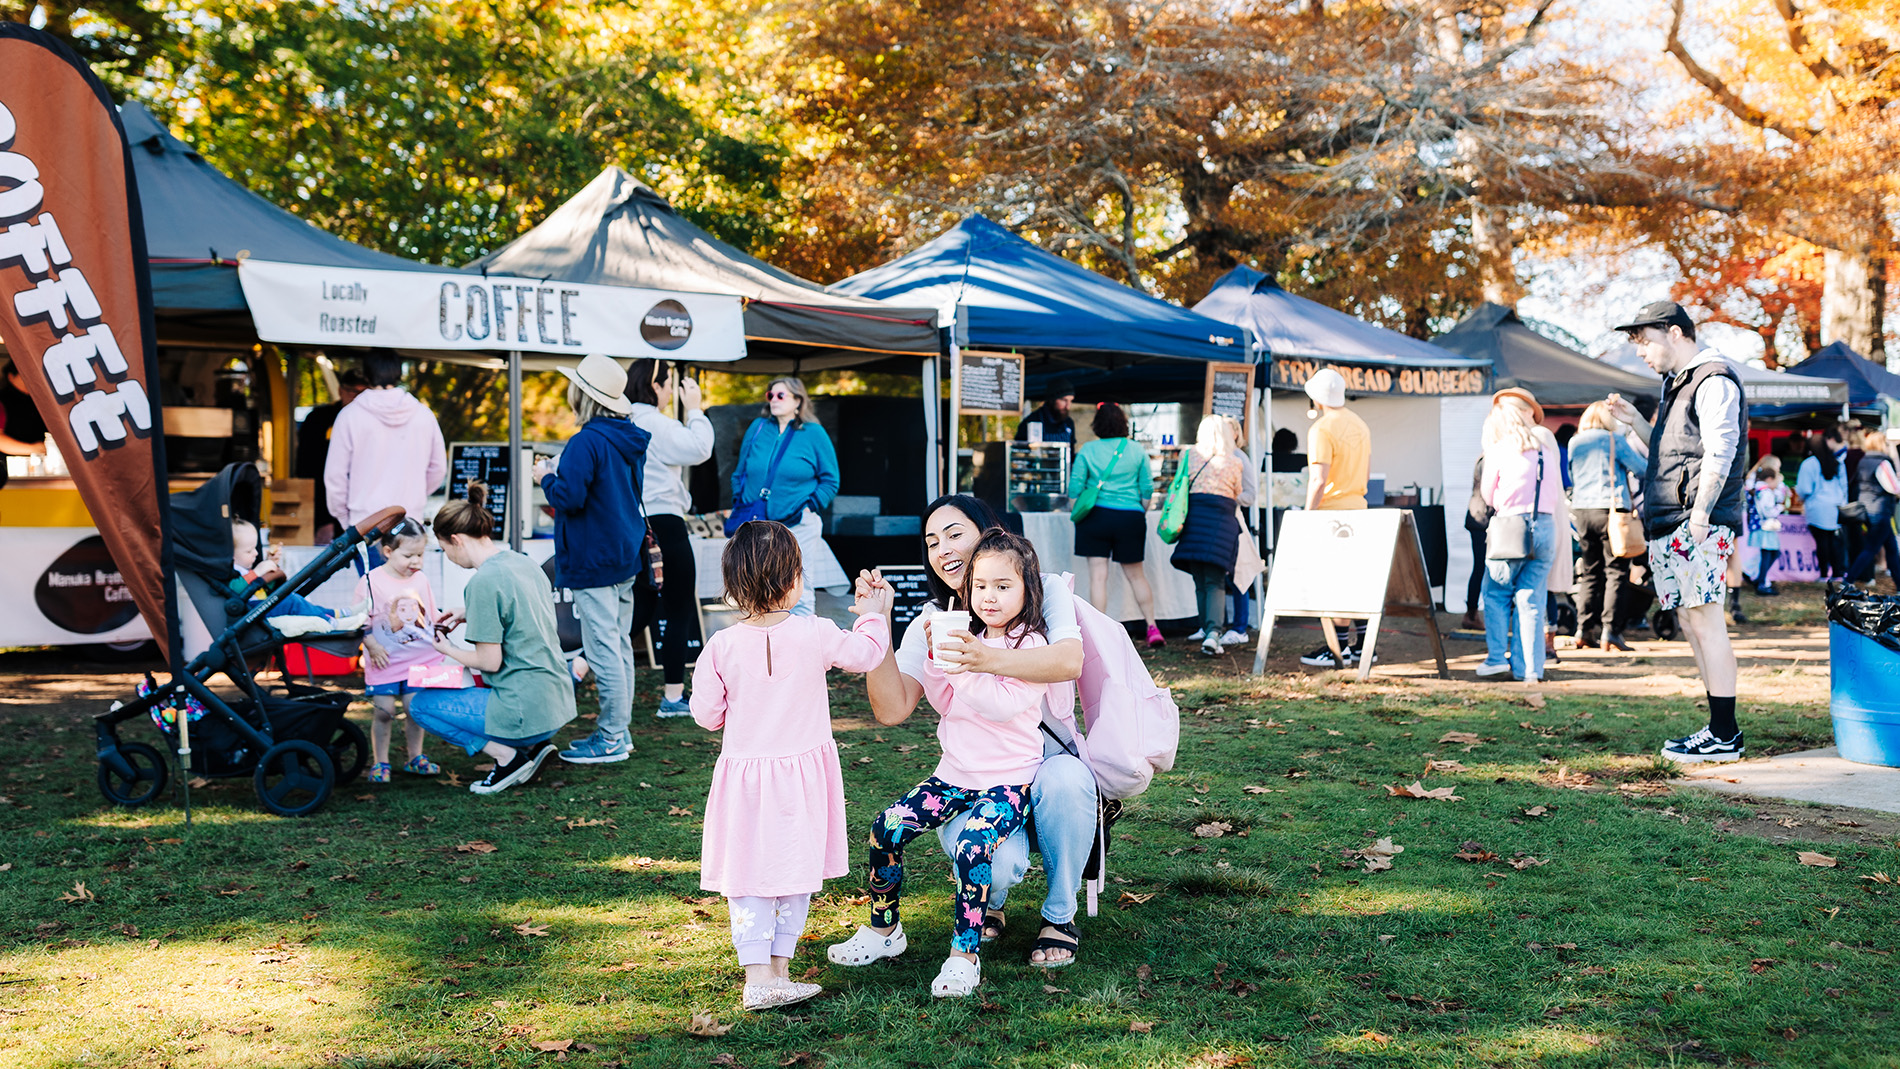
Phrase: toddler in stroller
{"type": "Point", "coordinates": [294, 615]}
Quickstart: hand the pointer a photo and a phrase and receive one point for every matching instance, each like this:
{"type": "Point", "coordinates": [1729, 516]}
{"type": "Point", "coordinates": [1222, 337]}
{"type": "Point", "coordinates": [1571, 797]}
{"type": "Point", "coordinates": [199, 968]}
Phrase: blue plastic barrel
{"type": "Point", "coordinates": [1864, 697]}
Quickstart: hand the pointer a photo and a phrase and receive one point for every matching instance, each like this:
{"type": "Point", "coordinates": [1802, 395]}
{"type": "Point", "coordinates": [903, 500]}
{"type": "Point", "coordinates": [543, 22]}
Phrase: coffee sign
{"type": "Point", "coordinates": [299, 304]}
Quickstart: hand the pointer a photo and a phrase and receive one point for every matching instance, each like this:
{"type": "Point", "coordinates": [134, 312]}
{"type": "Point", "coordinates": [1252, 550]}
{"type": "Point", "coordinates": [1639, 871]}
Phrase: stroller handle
{"type": "Point", "coordinates": [382, 521]}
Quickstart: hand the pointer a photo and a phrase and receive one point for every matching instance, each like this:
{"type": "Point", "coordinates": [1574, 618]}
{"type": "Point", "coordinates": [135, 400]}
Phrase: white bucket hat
{"type": "Point", "coordinates": [603, 379]}
{"type": "Point", "coordinates": [1327, 387]}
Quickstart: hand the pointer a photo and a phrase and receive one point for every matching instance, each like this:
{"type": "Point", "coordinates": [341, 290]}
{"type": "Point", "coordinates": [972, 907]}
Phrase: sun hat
{"type": "Point", "coordinates": [603, 379]}
{"type": "Point", "coordinates": [1519, 392]}
{"type": "Point", "coordinates": [1327, 387]}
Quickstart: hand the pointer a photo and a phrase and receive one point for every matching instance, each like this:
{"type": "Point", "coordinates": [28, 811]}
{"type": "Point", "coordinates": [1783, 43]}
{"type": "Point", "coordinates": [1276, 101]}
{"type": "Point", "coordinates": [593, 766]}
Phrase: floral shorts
{"type": "Point", "coordinates": [1690, 573]}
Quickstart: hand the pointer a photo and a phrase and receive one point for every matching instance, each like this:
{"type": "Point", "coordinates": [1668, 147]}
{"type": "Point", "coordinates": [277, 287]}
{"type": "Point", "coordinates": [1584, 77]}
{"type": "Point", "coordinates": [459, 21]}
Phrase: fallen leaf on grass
{"type": "Point", "coordinates": [478, 846]}
{"type": "Point", "coordinates": [366, 798]}
{"type": "Point", "coordinates": [1377, 1037]}
{"type": "Point", "coordinates": [1535, 947]}
{"type": "Point", "coordinates": [1762, 965]}
{"type": "Point", "coordinates": [452, 780]}
{"type": "Point", "coordinates": [703, 1024]}
{"type": "Point", "coordinates": [1212, 831]}
{"type": "Point", "coordinates": [1464, 738]}
{"type": "Point", "coordinates": [198, 782]}
{"type": "Point", "coordinates": [1418, 790]}
{"type": "Point", "coordinates": [1849, 824]}
{"type": "Point", "coordinates": [1048, 990]}
{"type": "Point", "coordinates": [1474, 853]}
{"type": "Point", "coordinates": [1645, 788]}
{"type": "Point", "coordinates": [1522, 863]}
{"type": "Point", "coordinates": [1808, 857]}
{"type": "Point", "coordinates": [549, 1046]}
{"type": "Point", "coordinates": [1378, 857]}
{"type": "Point", "coordinates": [1536, 811]}
{"type": "Point", "coordinates": [1252, 789]}
{"type": "Point", "coordinates": [1878, 877]}
{"type": "Point", "coordinates": [803, 1057]}
{"type": "Point", "coordinates": [625, 966]}
{"type": "Point", "coordinates": [1143, 1027]}
{"type": "Point", "coordinates": [1445, 766]}
{"type": "Point", "coordinates": [531, 929]}
{"type": "Point", "coordinates": [78, 894]}
{"type": "Point", "coordinates": [1130, 898]}
{"type": "Point", "coordinates": [1576, 781]}
{"type": "Point", "coordinates": [1535, 700]}
{"type": "Point", "coordinates": [584, 822]}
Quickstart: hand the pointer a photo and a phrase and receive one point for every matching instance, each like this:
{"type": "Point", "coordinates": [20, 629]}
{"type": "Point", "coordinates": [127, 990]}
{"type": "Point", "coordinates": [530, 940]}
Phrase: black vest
{"type": "Point", "coordinates": [1675, 456]}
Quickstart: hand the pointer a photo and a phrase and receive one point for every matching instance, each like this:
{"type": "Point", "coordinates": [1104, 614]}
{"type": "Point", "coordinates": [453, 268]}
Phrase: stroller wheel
{"type": "Point", "coordinates": [294, 778]}
{"type": "Point", "coordinates": [133, 774]}
{"type": "Point", "coordinates": [349, 752]}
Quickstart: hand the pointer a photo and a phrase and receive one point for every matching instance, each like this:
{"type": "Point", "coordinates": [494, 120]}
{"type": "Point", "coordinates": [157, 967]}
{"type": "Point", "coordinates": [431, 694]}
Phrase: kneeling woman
{"type": "Point", "coordinates": [510, 616]}
{"type": "Point", "coordinates": [1062, 795]}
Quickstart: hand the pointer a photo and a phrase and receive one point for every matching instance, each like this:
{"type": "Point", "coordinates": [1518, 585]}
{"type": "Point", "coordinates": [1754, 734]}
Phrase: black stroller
{"type": "Point", "coordinates": [294, 741]}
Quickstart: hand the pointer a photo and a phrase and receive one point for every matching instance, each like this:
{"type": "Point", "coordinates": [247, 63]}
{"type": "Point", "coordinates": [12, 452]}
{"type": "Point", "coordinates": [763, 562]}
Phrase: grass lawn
{"type": "Point", "coordinates": [1594, 919]}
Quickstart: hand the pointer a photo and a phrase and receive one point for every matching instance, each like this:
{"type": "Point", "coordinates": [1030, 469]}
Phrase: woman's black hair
{"type": "Point", "coordinates": [978, 512]}
{"type": "Point", "coordinates": [382, 368]}
{"type": "Point", "coordinates": [1824, 454]}
{"type": "Point", "coordinates": [1110, 421]}
{"type": "Point", "coordinates": [1285, 441]}
{"type": "Point", "coordinates": [640, 378]}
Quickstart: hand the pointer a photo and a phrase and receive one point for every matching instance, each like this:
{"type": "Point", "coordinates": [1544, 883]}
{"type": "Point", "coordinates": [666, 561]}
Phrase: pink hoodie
{"type": "Point", "coordinates": [386, 449]}
{"type": "Point", "coordinates": [990, 727]}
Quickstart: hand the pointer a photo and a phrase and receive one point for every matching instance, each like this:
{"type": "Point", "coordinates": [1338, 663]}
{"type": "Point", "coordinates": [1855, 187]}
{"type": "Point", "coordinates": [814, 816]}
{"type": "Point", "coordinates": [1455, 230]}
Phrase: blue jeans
{"type": "Point", "coordinates": [1062, 805]}
{"type": "Point", "coordinates": [460, 716]}
{"type": "Point", "coordinates": [298, 605]}
{"type": "Point", "coordinates": [1514, 599]}
{"type": "Point", "coordinates": [606, 617]}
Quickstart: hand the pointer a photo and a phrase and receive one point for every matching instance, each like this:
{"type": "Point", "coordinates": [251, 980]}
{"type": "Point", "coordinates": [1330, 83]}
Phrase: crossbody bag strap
{"type": "Point", "coordinates": [1101, 476]}
{"type": "Point", "coordinates": [1068, 747]}
{"type": "Point", "coordinates": [745, 447]}
{"type": "Point", "coordinates": [771, 470]}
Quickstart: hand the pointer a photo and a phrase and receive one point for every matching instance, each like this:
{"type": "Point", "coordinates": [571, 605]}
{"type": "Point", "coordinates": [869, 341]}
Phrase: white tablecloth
{"type": "Point", "coordinates": [1053, 535]}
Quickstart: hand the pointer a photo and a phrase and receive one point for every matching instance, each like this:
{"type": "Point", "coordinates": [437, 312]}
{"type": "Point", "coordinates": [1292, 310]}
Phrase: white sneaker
{"type": "Point", "coordinates": [958, 978]}
{"type": "Point", "coordinates": [1210, 647]}
{"type": "Point", "coordinates": [1198, 635]}
{"type": "Point", "coordinates": [1234, 638]}
{"type": "Point", "coordinates": [867, 946]}
{"type": "Point", "coordinates": [778, 993]}
{"type": "Point", "coordinates": [1486, 671]}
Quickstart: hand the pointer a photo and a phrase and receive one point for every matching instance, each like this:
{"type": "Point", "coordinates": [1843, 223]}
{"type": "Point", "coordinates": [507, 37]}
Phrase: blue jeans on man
{"type": "Point", "coordinates": [1514, 603]}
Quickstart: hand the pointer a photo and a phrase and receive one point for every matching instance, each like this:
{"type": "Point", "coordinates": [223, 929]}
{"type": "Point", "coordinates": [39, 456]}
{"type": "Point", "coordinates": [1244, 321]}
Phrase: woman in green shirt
{"type": "Point", "coordinates": [1117, 527]}
{"type": "Point", "coordinates": [510, 616]}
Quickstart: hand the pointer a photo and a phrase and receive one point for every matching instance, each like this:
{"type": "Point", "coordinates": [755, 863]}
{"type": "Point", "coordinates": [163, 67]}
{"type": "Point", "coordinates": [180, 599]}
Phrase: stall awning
{"type": "Point", "coordinates": [1867, 382]}
{"type": "Point", "coordinates": [1519, 356]}
{"type": "Point", "coordinates": [1015, 295]}
{"type": "Point", "coordinates": [618, 232]}
{"type": "Point", "coordinates": [1302, 336]}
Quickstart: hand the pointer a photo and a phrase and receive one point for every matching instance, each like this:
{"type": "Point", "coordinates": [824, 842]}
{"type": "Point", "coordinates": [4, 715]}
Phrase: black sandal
{"type": "Point", "coordinates": [1066, 938]}
{"type": "Point", "coordinates": [993, 924]}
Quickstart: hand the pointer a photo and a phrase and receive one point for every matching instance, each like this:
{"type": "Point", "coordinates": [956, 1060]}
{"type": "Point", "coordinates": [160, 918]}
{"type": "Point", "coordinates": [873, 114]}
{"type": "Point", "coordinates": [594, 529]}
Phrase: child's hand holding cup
{"type": "Point", "coordinates": [949, 631]}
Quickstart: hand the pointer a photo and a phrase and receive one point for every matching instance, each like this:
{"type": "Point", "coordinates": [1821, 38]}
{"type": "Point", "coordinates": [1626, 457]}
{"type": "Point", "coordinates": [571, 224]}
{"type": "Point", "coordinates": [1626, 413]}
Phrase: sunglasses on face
{"type": "Point", "coordinates": [778, 395]}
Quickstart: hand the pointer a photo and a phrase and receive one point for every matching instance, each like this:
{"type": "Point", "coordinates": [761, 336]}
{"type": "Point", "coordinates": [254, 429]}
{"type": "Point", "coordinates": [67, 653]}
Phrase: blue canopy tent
{"type": "Point", "coordinates": [1302, 336]}
{"type": "Point", "coordinates": [1869, 386]}
{"type": "Point", "coordinates": [1111, 340]}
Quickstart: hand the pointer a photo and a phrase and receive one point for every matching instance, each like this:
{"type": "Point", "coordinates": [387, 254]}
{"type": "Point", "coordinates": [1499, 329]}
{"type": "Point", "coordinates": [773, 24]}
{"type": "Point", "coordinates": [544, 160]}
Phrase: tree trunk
{"type": "Point", "coordinates": [1848, 302]}
{"type": "Point", "coordinates": [1491, 243]}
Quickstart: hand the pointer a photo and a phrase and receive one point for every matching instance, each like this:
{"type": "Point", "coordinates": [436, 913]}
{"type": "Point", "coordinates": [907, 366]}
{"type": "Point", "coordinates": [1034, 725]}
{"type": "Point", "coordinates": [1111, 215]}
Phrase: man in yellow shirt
{"type": "Point", "coordinates": [1339, 457]}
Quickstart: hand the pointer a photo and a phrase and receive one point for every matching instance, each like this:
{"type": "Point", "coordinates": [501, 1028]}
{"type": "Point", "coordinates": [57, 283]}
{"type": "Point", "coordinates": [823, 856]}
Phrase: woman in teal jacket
{"type": "Point", "coordinates": [803, 480]}
{"type": "Point", "coordinates": [1117, 527]}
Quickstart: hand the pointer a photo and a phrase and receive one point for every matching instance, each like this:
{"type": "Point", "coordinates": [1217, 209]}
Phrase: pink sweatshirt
{"type": "Point", "coordinates": [386, 449]}
{"type": "Point", "coordinates": [989, 731]}
{"type": "Point", "coordinates": [1510, 480]}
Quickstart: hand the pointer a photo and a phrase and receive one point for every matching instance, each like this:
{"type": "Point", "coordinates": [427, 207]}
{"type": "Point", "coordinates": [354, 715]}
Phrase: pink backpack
{"type": "Point", "coordinates": [1133, 727]}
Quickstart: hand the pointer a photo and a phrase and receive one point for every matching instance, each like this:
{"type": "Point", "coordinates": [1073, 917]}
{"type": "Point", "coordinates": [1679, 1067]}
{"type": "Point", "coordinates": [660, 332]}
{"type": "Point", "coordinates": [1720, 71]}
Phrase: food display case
{"type": "Point", "coordinates": [1037, 474]}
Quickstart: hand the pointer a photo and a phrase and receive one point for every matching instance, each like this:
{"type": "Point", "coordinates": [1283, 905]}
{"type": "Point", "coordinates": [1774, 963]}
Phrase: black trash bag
{"type": "Point", "coordinates": [1875, 615]}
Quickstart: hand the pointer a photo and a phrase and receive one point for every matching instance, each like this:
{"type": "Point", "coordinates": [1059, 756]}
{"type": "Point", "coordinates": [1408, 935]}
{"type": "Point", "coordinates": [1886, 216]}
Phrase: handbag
{"type": "Point", "coordinates": [1085, 501]}
{"type": "Point", "coordinates": [1510, 537]}
{"type": "Point", "coordinates": [1174, 508]}
{"type": "Point", "coordinates": [746, 511]}
{"type": "Point", "coordinates": [1626, 535]}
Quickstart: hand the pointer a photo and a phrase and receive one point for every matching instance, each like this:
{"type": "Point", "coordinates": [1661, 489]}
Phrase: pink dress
{"type": "Point", "coordinates": [775, 822]}
{"type": "Point", "coordinates": [382, 588]}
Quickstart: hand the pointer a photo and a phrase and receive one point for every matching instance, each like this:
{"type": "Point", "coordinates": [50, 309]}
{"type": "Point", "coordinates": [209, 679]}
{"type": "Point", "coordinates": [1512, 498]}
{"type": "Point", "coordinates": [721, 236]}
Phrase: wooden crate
{"type": "Point", "coordinates": [292, 511]}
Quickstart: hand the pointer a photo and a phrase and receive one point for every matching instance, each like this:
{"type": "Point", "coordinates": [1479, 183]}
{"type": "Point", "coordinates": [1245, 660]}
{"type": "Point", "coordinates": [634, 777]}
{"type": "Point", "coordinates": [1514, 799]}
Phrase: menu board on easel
{"type": "Point", "coordinates": [989, 384]}
{"type": "Point", "coordinates": [1230, 393]}
{"type": "Point", "coordinates": [483, 462]}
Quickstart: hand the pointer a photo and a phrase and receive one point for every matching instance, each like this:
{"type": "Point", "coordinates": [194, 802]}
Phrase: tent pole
{"type": "Point", "coordinates": [518, 492]}
{"type": "Point", "coordinates": [956, 421]}
{"type": "Point", "coordinates": [933, 469]}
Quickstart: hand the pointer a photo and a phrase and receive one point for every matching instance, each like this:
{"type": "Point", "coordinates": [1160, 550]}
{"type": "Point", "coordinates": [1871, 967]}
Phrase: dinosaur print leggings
{"type": "Point", "coordinates": [996, 813]}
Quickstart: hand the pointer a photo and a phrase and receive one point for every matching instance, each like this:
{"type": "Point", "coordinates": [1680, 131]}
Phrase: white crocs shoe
{"type": "Point", "coordinates": [779, 993]}
{"type": "Point", "coordinates": [958, 978]}
{"type": "Point", "coordinates": [868, 946]}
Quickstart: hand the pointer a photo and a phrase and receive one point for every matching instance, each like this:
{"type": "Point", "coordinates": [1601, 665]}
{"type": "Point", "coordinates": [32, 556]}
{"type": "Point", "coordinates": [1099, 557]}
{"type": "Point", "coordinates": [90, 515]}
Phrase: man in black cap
{"type": "Point", "coordinates": [1053, 415]}
{"type": "Point", "coordinates": [1693, 505]}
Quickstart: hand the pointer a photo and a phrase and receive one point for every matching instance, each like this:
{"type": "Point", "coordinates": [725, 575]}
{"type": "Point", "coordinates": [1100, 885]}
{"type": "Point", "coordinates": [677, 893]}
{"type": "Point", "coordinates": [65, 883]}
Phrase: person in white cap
{"type": "Point", "coordinates": [598, 533]}
{"type": "Point", "coordinates": [1339, 458]}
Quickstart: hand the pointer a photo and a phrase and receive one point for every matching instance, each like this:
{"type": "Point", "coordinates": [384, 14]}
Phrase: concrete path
{"type": "Point", "coordinates": [1808, 776]}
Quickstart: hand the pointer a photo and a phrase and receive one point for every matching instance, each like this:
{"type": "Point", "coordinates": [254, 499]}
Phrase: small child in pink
{"type": "Point", "coordinates": [991, 751]}
{"type": "Point", "coordinates": [775, 825]}
{"type": "Point", "coordinates": [387, 658]}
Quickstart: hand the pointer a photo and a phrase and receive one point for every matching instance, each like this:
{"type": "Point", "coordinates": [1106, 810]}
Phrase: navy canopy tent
{"type": "Point", "coordinates": [1559, 376]}
{"type": "Point", "coordinates": [1302, 336]}
{"type": "Point", "coordinates": [618, 232]}
{"type": "Point", "coordinates": [1066, 319]}
{"type": "Point", "coordinates": [198, 222]}
{"type": "Point", "coordinates": [1868, 384]}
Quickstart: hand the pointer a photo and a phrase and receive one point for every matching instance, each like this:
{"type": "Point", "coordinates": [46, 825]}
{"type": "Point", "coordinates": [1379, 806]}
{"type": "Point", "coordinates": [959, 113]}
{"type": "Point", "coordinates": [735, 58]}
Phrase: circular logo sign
{"type": "Point", "coordinates": [666, 325]}
{"type": "Point", "coordinates": [83, 592]}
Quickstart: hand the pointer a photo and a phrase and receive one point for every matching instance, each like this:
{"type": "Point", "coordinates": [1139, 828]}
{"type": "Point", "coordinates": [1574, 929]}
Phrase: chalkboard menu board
{"type": "Point", "coordinates": [1230, 393]}
{"type": "Point", "coordinates": [485, 462]}
{"type": "Point", "coordinates": [989, 384]}
{"type": "Point", "coordinates": [912, 592]}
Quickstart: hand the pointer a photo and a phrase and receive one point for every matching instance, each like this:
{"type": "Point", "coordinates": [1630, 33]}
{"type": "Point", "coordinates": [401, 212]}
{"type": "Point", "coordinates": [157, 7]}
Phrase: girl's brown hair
{"type": "Point", "coordinates": [1002, 543]}
{"type": "Point", "coordinates": [761, 565]}
{"type": "Point", "coordinates": [467, 516]}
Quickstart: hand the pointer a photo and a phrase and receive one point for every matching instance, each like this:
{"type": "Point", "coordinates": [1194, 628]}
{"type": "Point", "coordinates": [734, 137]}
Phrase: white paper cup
{"type": "Point", "coordinates": [941, 625]}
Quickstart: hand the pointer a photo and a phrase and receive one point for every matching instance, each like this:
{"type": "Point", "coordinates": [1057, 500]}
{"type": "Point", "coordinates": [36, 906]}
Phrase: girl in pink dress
{"type": "Point", "coordinates": [991, 750]}
{"type": "Point", "coordinates": [775, 827]}
{"type": "Point", "coordinates": [386, 660]}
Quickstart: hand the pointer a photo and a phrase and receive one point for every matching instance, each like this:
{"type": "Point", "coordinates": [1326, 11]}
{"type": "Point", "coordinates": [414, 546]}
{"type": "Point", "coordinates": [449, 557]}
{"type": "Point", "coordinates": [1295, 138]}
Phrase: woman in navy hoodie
{"type": "Point", "coordinates": [598, 532]}
{"type": "Point", "coordinates": [802, 480]}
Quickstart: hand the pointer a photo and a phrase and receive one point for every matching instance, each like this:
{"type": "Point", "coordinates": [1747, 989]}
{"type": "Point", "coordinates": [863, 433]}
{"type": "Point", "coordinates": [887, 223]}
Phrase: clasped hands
{"type": "Point", "coordinates": [960, 648]}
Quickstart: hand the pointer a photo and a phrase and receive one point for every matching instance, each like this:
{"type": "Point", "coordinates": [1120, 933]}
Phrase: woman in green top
{"type": "Point", "coordinates": [1117, 527]}
{"type": "Point", "coordinates": [510, 616]}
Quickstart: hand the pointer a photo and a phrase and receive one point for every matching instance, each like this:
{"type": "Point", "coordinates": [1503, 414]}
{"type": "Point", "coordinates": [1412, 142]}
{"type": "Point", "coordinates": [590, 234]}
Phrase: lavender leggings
{"type": "Point", "coordinates": [767, 928]}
